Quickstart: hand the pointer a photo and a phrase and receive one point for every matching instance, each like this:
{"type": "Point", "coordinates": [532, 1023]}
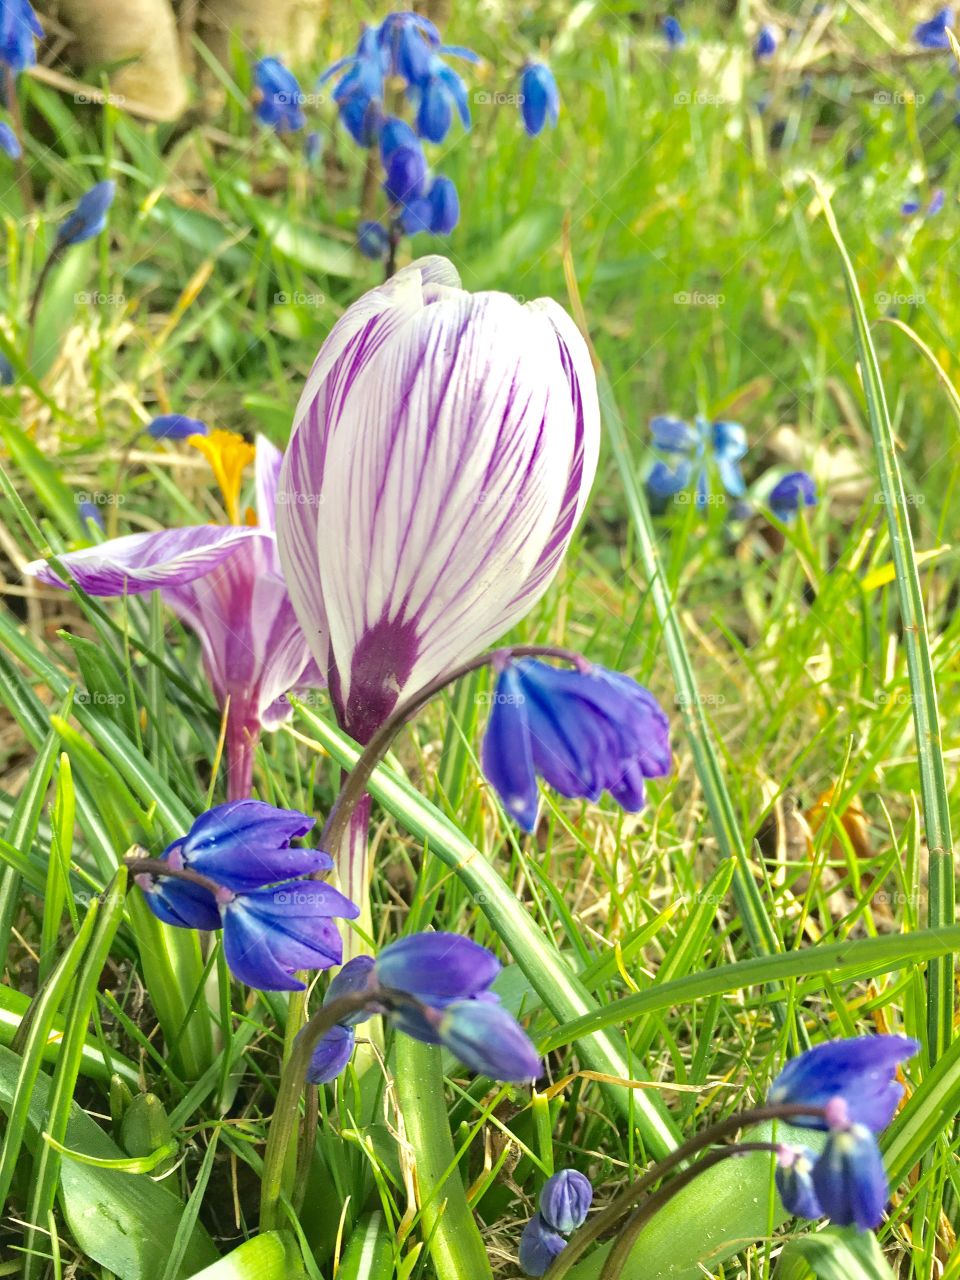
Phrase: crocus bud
{"type": "Point", "coordinates": [89, 217]}
{"type": "Point", "coordinates": [451, 440]}
{"type": "Point", "coordinates": [565, 1199]}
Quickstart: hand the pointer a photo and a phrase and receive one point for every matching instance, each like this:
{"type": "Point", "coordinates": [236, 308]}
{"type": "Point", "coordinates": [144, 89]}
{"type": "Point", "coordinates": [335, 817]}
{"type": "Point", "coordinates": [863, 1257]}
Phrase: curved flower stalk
{"type": "Point", "coordinates": [441, 456]}
{"type": "Point", "coordinates": [226, 584]}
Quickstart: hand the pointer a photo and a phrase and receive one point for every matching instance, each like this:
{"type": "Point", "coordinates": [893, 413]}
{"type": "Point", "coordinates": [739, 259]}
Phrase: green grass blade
{"type": "Point", "coordinates": [941, 907]}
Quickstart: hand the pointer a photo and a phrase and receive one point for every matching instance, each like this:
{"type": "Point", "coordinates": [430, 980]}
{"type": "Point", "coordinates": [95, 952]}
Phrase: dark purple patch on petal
{"type": "Point", "coordinates": [382, 661]}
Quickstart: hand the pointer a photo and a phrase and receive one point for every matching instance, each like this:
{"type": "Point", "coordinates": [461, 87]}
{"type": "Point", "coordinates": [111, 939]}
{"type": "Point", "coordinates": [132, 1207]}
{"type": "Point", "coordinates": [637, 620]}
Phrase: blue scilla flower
{"type": "Point", "coordinates": [281, 103]}
{"type": "Point", "coordinates": [359, 92]}
{"type": "Point", "coordinates": [765, 45]}
{"type": "Point", "coordinates": [406, 41]}
{"type": "Point", "coordinates": [19, 28]}
{"type": "Point", "coordinates": [9, 142]}
{"type": "Point", "coordinates": [434, 987]}
{"type": "Point", "coordinates": [373, 240]}
{"type": "Point", "coordinates": [565, 1199]}
{"type": "Point", "coordinates": [406, 175]}
{"type": "Point", "coordinates": [910, 208]}
{"type": "Point", "coordinates": [273, 925]}
{"type": "Point", "coordinates": [176, 426]}
{"type": "Point", "coordinates": [849, 1179]}
{"type": "Point", "coordinates": [440, 91]}
{"type": "Point", "coordinates": [932, 34]}
{"type": "Point", "coordinates": [673, 32]}
{"type": "Point", "coordinates": [437, 211]}
{"type": "Point", "coordinates": [794, 1179]}
{"type": "Point", "coordinates": [394, 133]}
{"type": "Point", "coordinates": [539, 1245]}
{"type": "Point", "coordinates": [859, 1072]}
{"type": "Point", "coordinates": [539, 97]}
{"type": "Point", "coordinates": [584, 732]}
{"type": "Point", "coordinates": [790, 494]}
{"type": "Point", "coordinates": [89, 217]}
{"type": "Point", "coordinates": [694, 451]}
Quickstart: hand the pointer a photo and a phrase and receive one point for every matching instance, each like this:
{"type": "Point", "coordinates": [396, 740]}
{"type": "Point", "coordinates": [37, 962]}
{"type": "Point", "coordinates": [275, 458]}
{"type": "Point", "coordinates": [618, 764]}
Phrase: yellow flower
{"type": "Point", "coordinates": [228, 454]}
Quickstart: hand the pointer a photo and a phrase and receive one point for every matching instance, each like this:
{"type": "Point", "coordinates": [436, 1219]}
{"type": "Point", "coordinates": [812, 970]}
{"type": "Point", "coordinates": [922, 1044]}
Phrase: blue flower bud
{"type": "Point", "coordinates": [333, 1051]}
{"type": "Point", "coordinates": [673, 32]}
{"type": "Point", "coordinates": [765, 45]}
{"type": "Point", "coordinates": [406, 174]}
{"type": "Point", "coordinates": [444, 206]}
{"type": "Point", "coordinates": [19, 27]}
{"type": "Point", "coordinates": [280, 105]}
{"type": "Point", "coordinates": [176, 426]}
{"type": "Point", "coordinates": [89, 217]}
{"type": "Point", "coordinates": [539, 1245]}
{"type": "Point", "coordinates": [565, 1199]}
{"type": "Point", "coordinates": [540, 97]}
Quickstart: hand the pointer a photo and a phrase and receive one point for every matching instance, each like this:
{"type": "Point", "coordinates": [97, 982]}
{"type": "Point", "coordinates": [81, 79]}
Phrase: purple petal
{"type": "Point", "coordinates": [334, 1050]}
{"type": "Point", "coordinates": [270, 934]}
{"type": "Point", "coordinates": [539, 1245]}
{"type": "Point", "coordinates": [245, 844]}
{"type": "Point", "coordinates": [145, 561]}
{"type": "Point", "coordinates": [507, 755]}
{"type": "Point", "coordinates": [860, 1070]}
{"type": "Point", "coordinates": [436, 968]}
{"type": "Point", "coordinates": [489, 1041]}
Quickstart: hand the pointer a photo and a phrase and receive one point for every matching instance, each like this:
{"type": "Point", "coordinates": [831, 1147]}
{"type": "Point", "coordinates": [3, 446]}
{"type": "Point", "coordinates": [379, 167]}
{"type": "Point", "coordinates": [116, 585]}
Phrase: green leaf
{"type": "Point", "coordinates": [299, 243]}
{"type": "Point", "coordinates": [117, 1219]}
{"type": "Point", "coordinates": [274, 1255]}
{"type": "Point", "coordinates": [941, 906]}
{"type": "Point", "coordinates": [369, 1254]}
{"type": "Point", "coordinates": [838, 1253]}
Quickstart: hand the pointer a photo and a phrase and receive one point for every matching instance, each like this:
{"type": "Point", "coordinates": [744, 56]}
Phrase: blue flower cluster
{"type": "Point", "coordinates": [434, 987]}
{"type": "Point", "coordinates": [854, 1081]}
{"type": "Point", "coordinates": [695, 452]}
{"type": "Point", "coordinates": [564, 1202]}
{"type": "Point", "coordinates": [19, 28]}
{"type": "Point", "coordinates": [249, 882]}
{"type": "Point", "coordinates": [280, 102]}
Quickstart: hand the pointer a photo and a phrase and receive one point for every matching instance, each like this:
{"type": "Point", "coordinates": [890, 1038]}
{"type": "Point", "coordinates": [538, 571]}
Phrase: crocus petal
{"type": "Point", "coordinates": [334, 1050]}
{"type": "Point", "coordinates": [507, 755]}
{"type": "Point", "coordinates": [860, 1070]}
{"type": "Point", "coordinates": [141, 562]}
{"type": "Point", "coordinates": [436, 968]}
{"type": "Point", "coordinates": [267, 466]}
{"type": "Point", "coordinates": [539, 1245]}
{"type": "Point", "coordinates": [444, 445]}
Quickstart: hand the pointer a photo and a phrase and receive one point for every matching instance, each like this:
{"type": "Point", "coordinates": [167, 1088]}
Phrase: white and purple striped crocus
{"type": "Point", "coordinates": [441, 456]}
{"type": "Point", "coordinates": [226, 584]}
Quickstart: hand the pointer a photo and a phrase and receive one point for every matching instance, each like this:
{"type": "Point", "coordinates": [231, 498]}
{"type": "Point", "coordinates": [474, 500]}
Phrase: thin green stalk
{"type": "Point", "coordinates": [941, 904]}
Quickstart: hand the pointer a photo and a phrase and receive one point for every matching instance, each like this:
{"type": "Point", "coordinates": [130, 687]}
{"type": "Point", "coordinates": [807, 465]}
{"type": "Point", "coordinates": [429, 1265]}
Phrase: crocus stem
{"type": "Point", "coordinates": [281, 1149]}
{"type": "Point", "coordinates": [627, 1238]}
{"type": "Point", "coordinates": [241, 745]}
{"type": "Point", "coordinates": [352, 857]}
{"type": "Point", "coordinates": [625, 1201]}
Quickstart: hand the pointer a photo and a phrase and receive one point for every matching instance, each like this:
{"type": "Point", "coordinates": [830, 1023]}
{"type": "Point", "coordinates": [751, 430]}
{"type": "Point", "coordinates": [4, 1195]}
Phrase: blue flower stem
{"type": "Point", "coordinates": [13, 106]}
{"type": "Point", "coordinates": [619, 1255]}
{"type": "Point", "coordinates": [625, 1201]}
{"type": "Point", "coordinates": [52, 260]}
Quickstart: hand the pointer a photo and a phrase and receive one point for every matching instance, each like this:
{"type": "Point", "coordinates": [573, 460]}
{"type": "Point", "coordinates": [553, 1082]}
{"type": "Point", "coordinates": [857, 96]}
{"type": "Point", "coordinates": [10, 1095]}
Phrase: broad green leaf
{"type": "Point", "coordinates": [370, 1251]}
{"type": "Point", "coordinates": [838, 1253]}
{"type": "Point", "coordinates": [116, 1219]}
{"type": "Point", "coordinates": [271, 1256]}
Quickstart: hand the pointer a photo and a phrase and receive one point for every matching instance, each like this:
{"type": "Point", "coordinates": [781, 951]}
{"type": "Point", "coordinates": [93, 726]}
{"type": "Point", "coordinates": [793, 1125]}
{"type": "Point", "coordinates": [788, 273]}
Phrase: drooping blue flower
{"type": "Point", "coordinates": [673, 32]}
{"type": "Point", "coordinates": [440, 91]}
{"type": "Point", "coordinates": [849, 1179]}
{"type": "Point", "coordinates": [565, 1199]}
{"type": "Point", "coordinates": [9, 142]}
{"type": "Point", "coordinates": [794, 1179]}
{"type": "Point", "coordinates": [859, 1072]}
{"type": "Point", "coordinates": [539, 1245]}
{"type": "Point", "coordinates": [180, 902]}
{"type": "Point", "coordinates": [794, 491]}
{"type": "Point", "coordinates": [406, 175]}
{"type": "Point", "coordinates": [176, 426]}
{"type": "Point", "coordinates": [270, 934]}
{"type": "Point", "coordinates": [395, 133]}
{"type": "Point", "coordinates": [444, 206]}
{"type": "Point", "coordinates": [583, 732]}
{"type": "Point", "coordinates": [539, 97]}
{"type": "Point", "coordinates": [280, 106]}
{"type": "Point", "coordinates": [932, 34]}
{"type": "Point", "coordinates": [89, 217]}
{"type": "Point", "coordinates": [359, 93]}
{"type": "Point", "coordinates": [334, 1050]}
{"type": "Point", "coordinates": [19, 28]}
{"type": "Point", "coordinates": [406, 41]}
{"type": "Point", "coordinates": [434, 987]}
{"type": "Point", "coordinates": [245, 845]}
{"type": "Point", "coordinates": [373, 240]}
{"type": "Point", "coordinates": [719, 445]}
{"type": "Point", "coordinates": [765, 45]}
